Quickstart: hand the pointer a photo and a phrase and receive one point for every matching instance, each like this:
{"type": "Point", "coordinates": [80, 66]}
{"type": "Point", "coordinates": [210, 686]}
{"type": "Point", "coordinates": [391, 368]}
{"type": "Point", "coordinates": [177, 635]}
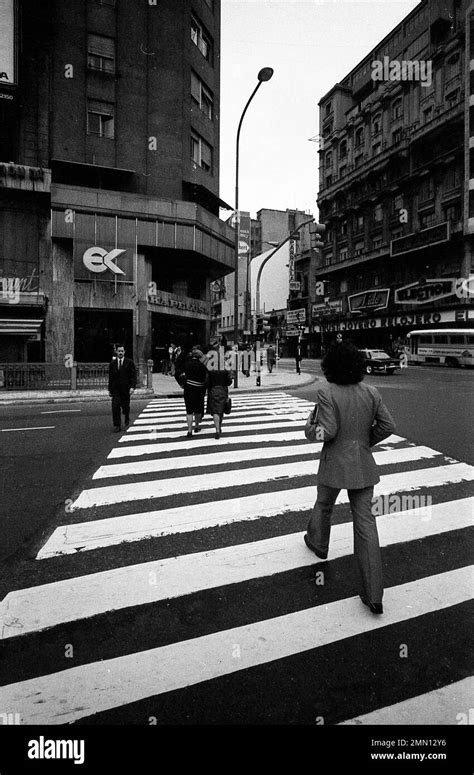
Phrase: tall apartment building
{"type": "Point", "coordinates": [393, 184]}
{"type": "Point", "coordinates": [257, 235]}
{"type": "Point", "coordinates": [109, 176]}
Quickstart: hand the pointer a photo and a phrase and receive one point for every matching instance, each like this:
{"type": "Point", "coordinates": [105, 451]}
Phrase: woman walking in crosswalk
{"type": "Point", "coordinates": [219, 380]}
{"type": "Point", "coordinates": [351, 419]}
{"type": "Point", "coordinates": [194, 381]}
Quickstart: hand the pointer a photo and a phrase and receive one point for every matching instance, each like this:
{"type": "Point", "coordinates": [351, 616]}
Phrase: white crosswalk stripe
{"type": "Point", "coordinates": [260, 472]}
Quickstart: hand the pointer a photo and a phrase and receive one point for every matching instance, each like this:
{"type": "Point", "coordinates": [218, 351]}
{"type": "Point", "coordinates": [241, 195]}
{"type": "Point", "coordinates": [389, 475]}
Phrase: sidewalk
{"type": "Point", "coordinates": [162, 386]}
{"type": "Point", "coordinates": [277, 380]}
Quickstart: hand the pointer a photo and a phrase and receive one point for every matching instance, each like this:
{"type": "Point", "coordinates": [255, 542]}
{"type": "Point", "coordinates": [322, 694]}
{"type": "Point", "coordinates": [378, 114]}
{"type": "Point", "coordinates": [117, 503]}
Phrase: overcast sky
{"type": "Point", "coordinates": [311, 44]}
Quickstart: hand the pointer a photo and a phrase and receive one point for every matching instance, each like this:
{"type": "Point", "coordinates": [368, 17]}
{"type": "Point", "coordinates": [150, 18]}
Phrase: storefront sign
{"type": "Point", "coordinates": [291, 263]}
{"type": "Point", "coordinates": [99, 260]}
{"type": "Point", "coordinates": [244, 233]}
{"type": "Point", "coordinates": [161, 301]}
{"type": "Point", "coordinates": [25, 178]}
{"type": "Point", "coordinates": [296, 315]}
{"type": "Point", "coordinates": [326, 309]}
{"type": "Point", "coordinates": [430, 290]}
{"type": "Point", "coordinates": [410, 319]}
{"type": "Point", "coordinates": [420, 239]}
{"type": "Point", "coordinates": [295, 285]}
{"type": "Point", "coordinates": [366, 300]}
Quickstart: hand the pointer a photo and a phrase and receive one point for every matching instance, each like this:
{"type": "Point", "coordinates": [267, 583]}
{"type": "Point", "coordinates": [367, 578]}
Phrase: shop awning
{"type": "Point", "coordinates": [19, 326]}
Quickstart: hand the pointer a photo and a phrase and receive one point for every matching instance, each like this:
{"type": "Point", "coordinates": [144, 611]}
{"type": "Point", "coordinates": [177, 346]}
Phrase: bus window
{"type": "Point", "coordinates": [470, 339]}
{"type": "Point", "coordinates": [457, 339]}
{"type": "Point", "coordinates": [441, 340]}
{"type": "Point", "coordinates": [426, 339]}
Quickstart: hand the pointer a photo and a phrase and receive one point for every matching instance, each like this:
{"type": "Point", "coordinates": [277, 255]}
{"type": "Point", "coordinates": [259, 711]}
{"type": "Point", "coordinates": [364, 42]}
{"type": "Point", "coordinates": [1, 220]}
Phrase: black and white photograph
{"type": "Point", "coordinates": [236, 383]}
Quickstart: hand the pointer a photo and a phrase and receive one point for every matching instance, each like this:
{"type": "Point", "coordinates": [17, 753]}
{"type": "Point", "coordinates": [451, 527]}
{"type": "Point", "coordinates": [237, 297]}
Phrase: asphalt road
{"type": "Point", "coordinates": [46, 452]}
{"type": "Point", "coordinates": [431, 405]}
{"type": "Point", "coordinates": [42, 470]}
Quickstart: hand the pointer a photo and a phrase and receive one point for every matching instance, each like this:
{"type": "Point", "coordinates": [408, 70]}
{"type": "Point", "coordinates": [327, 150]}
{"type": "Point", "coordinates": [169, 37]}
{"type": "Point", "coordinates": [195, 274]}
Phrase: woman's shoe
{"type": "Point", "coordinates": [376, 608]}
{"type": "Point", "coordinates": [189, 434]}
{"type": "Point", "coordinates": [218, 435]}
{"type": "Point", "coordinates": [197, 429]}
{"type": "Point", "coordinates": [313, 549]}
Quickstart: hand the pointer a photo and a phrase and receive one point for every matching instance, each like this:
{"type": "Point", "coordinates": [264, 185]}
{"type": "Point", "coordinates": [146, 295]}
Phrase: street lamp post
{"type": "Point", "coordinates": [264, 75]}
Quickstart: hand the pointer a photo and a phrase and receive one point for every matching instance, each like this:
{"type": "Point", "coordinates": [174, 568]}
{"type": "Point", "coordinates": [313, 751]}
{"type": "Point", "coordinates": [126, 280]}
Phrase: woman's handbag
{"type": "Point", "coordinates": [310, 428]}
{"type": "Point", "coordinates": [228, 406]}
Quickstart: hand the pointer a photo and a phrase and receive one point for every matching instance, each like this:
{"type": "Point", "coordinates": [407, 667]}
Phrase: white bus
{"type": "Point", "coordinates": [451, 346]}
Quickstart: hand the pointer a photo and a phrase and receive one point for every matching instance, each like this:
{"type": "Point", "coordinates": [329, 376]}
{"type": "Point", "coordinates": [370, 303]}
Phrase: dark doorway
{"type": "Point", "coordinates": [97, 331]}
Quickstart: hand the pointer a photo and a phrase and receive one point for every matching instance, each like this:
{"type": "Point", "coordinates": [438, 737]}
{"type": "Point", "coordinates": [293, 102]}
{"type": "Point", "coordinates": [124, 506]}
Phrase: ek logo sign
{"type": "Point", "coordinates": [98, 260]}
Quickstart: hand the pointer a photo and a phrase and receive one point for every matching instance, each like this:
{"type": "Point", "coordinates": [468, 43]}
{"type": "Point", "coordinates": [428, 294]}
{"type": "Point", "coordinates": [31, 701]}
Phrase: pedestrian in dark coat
{"type": "Point", "coordinates": [194, 381]}
{"type": "Point", "coordinates": [122, 382]}
{"type": "Point", "coordinates": [271, 359]}
{"type": "Point", "coordinates": [219, 380]}
{"type": "Point", "coordinates": [351, 419]}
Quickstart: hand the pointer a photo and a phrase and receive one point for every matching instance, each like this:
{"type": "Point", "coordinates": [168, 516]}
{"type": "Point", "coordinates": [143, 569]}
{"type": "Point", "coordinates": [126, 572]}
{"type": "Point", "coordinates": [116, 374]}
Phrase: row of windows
{"type": "Point", "coordinates": [101, 49]}
{"type": "Point", "coordinates": [101, 122]}
{"type": "Point", "coordinates": [450, 213]}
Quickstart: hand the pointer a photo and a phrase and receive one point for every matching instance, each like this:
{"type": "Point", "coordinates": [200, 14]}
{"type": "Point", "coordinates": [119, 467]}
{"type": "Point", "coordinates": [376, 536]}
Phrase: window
{"type": "Point", "coordinates": [201, 152]}
{"type": "Point", "coordinates": [343, 228]}
{"type": "Point", "coordinates": [101, 53]}
{"type": "Point", "coordinates": [397, 136]}
{"type": "Point", "coordinates": [358, 249]}
{"type": "Point", "coordinates": [376, 148]}
{"type": "Point", "coordinates": [426, 190]}
{"type": "Point", "coordinates": [452, 213]}
{"type": "Point", "coordinates": [359, 222]}
{"type": "Point", "coordinates": [397, 108]}
{"type": "Point", "coordinates": [342, 170]}
{"type": "Point", "coordinates": [397, 203]}
{"type": "Point", "coordinates": [428, 114]}
{"type": "Point", "coordinates": [457, 339]}
{"type": "Point", "coordinates": [100, 119]}
{"type": "Point", "coordinates": [440, 339]}
{"type": "Point", "coordinates": [427, 220]}
{"type": "Point", "coordinates": [328, 109]}
{"type": "Point", "coordinates": [376, 124]}
{"type": "Point", "coordinates": [425, 339]}
{"type": "Point", "coordinates": [452, 98]}
{"type": "Point", "coordinates": [358, 159]}
{"type": "Point", "coordinates": [378, 213]}
{"type": "Point", "coordinates": [343, 254]}
{"type": "Point", "coordinates": [397, 234]}
{"type": "Point", "coordinates": [202, 95]}
{"type": "Point", "coordinates": [359, 137]}
{"type": "Point", "coordinates": [201, 39]}
{"type": "Point", "coordinates": [453, 178]}
{"type": "Point", "coordinates": [328, 159]}
{"type": "Point", "coordinates": [377, 243]}
{"type": "Point", "coordinates": [328, 180]}
{"type": "Point", "coordinates": [343, 149]}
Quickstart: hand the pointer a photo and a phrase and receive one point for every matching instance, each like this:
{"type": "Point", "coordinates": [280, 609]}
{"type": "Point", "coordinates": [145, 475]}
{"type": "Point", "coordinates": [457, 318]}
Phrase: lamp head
{"type": "Point", "coordinates": [265, 74]}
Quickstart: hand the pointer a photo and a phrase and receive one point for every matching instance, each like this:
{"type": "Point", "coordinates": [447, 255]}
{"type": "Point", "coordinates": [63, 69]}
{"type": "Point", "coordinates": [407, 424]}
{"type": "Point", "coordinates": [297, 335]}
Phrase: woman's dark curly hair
{"type": "Point", "coordinates": [343, 364]}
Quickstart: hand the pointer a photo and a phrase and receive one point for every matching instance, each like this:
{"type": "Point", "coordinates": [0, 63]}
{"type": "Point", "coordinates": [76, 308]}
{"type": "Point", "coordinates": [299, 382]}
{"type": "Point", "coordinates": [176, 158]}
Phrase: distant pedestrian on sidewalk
{"type": "Point", "coordinates": [351, 419]}
{"type": "Point", "coordinates": [194, 381]}
{"type": "Point", "coordinates": [298, 358]}
{"type": "Point", "coordinates": [122, 382]}
{"type": "Point", "coordinates": [219, 380]}
{"type": "Point", "coordinates": [271, 358]}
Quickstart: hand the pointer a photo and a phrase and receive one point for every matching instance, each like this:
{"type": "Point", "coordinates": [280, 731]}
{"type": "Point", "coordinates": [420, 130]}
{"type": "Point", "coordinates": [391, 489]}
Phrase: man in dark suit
{"type": "Point", "coordinates": [122, 383]}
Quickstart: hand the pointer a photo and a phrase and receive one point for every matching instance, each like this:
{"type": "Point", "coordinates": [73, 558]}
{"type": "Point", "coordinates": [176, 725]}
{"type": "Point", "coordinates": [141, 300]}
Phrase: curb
{"type": "Point", "coordinates": [68, 398]}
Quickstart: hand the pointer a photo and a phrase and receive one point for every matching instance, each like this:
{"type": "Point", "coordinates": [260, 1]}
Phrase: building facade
{"type": "Point", "coordinates": [393, 187]}
{"type": "Point", "coordinates": [109, 186]}
{"type": "Point", "coordinates": [257, 235]}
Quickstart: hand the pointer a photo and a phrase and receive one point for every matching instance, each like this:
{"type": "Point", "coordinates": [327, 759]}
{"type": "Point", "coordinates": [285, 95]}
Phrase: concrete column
{"type": "Point", "coordinates": [58, 284]}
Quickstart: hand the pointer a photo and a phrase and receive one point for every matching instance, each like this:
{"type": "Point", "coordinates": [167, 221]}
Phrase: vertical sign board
{"type": "Point", "coordinates": [291, 262]}
{"type": "Point", "coordinates": [8, 59]}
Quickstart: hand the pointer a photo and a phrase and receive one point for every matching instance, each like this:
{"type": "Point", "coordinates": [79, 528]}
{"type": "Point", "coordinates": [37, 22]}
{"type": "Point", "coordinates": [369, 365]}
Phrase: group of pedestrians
{"type": "Point", "coordinates": [194, 376]}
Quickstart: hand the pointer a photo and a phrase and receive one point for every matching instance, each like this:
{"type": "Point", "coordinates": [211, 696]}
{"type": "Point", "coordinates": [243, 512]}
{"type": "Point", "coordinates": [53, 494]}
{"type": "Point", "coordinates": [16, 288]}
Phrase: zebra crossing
{"type": "Point", "coordinates": [179, 587]}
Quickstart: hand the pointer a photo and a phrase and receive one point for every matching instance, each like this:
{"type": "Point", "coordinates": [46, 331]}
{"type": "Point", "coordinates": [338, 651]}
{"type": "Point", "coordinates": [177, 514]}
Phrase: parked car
{"type": "Point", "coordinates": [378, 361]}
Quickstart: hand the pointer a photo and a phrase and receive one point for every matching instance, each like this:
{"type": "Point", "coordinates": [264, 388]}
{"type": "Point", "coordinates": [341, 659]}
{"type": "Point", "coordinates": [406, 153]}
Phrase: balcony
{"type": "Point", "coordinates": [442, 116]}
